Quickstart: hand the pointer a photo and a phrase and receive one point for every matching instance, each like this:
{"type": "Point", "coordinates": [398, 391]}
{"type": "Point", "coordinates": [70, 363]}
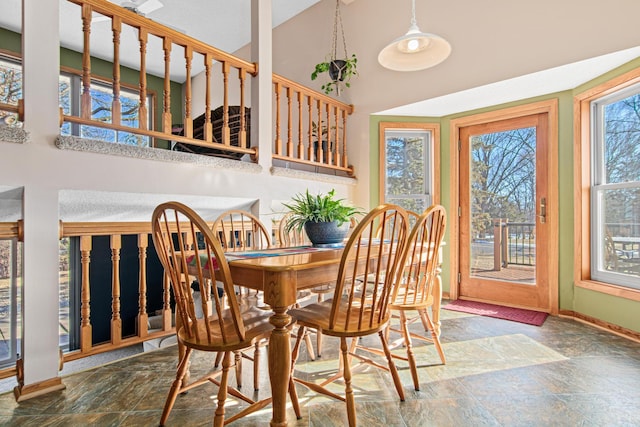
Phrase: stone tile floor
{"type": "Point", "coordinates": [498, 373]}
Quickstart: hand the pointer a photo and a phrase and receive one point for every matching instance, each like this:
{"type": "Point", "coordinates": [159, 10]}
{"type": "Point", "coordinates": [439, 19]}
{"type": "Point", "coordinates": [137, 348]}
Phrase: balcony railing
{"type": "Point", "coordinates": [297, 110]}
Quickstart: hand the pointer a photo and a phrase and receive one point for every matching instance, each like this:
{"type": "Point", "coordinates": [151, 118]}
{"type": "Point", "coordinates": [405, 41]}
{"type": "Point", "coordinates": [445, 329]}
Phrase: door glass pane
{"type": "Point", "coordinates": [503, 205]}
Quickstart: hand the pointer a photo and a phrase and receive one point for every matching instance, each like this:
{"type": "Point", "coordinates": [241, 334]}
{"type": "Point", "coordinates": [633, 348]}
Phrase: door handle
{"type": "Point", "coordinates": [543, 210]}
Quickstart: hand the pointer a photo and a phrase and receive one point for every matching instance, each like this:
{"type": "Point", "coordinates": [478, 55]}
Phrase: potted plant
{"type": "Point", "coordinates": [324, 218]}
{"type": "Point", "coordinates": [340, 72]}
{"type": "Point", "coordinates": [321, 134]}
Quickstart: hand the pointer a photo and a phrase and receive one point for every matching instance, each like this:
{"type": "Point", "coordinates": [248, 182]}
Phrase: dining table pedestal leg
{"type": "Point", "coordinates": [279, 364]}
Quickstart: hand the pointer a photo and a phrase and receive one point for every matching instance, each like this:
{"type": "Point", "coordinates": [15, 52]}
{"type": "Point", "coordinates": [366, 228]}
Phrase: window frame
{"type": "Point", "coordinates": [584, 164]}
{"type": "Point", "coordinates": [10, 58]}
{"type": "Point", "coordinates": [432, 156]}
{"type": "Point", "coordinates": [75, 78]}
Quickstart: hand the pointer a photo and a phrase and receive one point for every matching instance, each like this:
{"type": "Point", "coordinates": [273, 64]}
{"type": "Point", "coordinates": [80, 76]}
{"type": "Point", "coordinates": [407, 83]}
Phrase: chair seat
{"type": "Point", "coordinates": [256, 324]}
{"type": "Point", "coordinates": [317, 316]}
{"type": "Point", "coordinates": [398, 303]}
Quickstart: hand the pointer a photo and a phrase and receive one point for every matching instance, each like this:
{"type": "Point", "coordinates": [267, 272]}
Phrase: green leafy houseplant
{"type": "Point", "coordinates": [340, 72]}
{"type": "Point", "coordinates": [319, 208]}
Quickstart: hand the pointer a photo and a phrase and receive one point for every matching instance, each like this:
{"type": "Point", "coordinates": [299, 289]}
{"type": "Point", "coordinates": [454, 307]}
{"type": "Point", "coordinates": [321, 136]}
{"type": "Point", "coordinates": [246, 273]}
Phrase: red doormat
{"type": "Point", "coordinates": [521, 315]}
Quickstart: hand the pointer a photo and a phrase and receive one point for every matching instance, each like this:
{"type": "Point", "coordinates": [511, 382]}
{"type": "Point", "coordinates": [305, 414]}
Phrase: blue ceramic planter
{"type": "Point", "coordinates": [326, 233]}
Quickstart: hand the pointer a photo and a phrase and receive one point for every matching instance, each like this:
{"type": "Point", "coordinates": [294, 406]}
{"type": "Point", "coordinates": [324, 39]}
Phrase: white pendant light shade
{"type": "Point", "coordinates": [415, 50]}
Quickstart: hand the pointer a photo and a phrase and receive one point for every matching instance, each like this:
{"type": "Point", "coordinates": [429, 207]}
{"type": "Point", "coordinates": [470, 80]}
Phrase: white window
{"type": "Point", "coordinates": [615, 188]}
{"type": "Point", "coordinates": [70, 88]}
{"type": "Point", "coordinates": [10, 90]}
{"type": "Point", "coordinates": [407, 175]}
{"type": "Point", "coordinates": [101, 110]}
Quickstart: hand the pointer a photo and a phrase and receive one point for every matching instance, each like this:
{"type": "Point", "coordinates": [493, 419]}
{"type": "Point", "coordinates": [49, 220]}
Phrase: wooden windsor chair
{"type": "Point", "coordinates": [240, 230]}
{"type": "Point", "coordinates": [358, 309]}
{"type": "Point", "coordinates": [419, 269]}
{"type": "Point", "coordinates": [221, 328]}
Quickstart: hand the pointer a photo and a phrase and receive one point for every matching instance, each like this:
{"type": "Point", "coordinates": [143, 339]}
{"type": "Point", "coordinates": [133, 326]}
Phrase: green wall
{"type": "Point", "coordinates": [10, 41]}
{"type": "Point", "coordinates": [608, 308]}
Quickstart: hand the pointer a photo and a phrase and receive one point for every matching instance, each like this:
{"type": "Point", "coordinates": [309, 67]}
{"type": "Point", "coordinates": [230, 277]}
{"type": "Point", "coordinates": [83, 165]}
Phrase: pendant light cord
{"type": "Point", "coordinates": [413, 13]}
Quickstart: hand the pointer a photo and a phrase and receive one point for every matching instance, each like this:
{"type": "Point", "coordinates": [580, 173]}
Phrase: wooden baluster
{"type": "Point", "coordinates": [188, 121]}
{"type": "Point", "coordinates": [208, 128]}
{"type": "Point", "coordinates": [116, 108]}
{"type": "Point", "coordinates": [310, 142]}
{"type": "Point", "coordinates": [166, 114]}
{"type": "Point", "coordinates": [337, 139]}
{"type": "Point", "coordinates": [242, 137]}
{"type": "Point", "coordinates": [116, 321]}
{"type": "Point", "coordinates": [300, 145]}
{"type": "Point", "coordinates": [319, 152]}
{"type": "Point", "coordinates": [226, 133]}
{"type": "Point", "coordinates": [85, 100]}
{"type": "Point", "coordinates": [278, 140]}
{"type": "Point", "coordinates": [142, 37]}
{"type": "Point", "coordinates": [85, 296]}
{"type": "Point", "coordinates": [289, 123]}
{"type": "Point", "coordinates": [344, 139]}
{"type": "Point", "coordinates": [326, 156]}
{"type": "Point", "coordinates": [143, 242]}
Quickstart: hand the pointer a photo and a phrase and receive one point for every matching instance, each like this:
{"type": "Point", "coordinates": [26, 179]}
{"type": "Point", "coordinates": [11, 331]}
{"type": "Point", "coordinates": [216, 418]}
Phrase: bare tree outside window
{"type": "Point", "coordinates": [10, 91]}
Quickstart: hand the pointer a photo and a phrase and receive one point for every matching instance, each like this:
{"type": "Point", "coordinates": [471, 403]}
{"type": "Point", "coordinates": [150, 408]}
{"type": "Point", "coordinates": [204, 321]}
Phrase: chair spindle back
{"type": "Point", "coordinates": [188, 249]}
{"type": "Point", "coordinates": [367, 267]}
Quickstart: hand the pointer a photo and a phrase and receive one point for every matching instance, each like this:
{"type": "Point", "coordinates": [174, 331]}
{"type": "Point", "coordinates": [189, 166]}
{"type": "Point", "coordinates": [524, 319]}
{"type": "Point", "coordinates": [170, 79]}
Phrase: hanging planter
{"type": "Point", "coordinates": [340, 69]}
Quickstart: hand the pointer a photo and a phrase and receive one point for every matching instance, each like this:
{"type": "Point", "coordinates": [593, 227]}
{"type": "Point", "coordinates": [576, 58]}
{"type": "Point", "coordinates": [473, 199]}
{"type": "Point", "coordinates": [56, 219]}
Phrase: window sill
{"type": "Point", "coordinates": [101, 147]}
{"type": "Point", "coordinates": [609, 289]}
{"type": "Point", "coordinates": [15, 135]}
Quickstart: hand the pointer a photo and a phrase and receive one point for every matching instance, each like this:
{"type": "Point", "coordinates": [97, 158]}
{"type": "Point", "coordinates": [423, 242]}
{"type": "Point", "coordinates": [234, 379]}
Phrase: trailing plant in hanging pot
{"type": "Point", "coordinates": [340, 70]}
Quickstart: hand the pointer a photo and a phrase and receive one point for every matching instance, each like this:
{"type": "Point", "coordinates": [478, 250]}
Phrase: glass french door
{"type": "Point", "coordinates": [503, 212]}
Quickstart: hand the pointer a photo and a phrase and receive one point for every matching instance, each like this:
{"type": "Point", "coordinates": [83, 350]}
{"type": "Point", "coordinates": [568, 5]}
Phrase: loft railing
{"type": "Point", "coordinates": [310, 127]}
{"type": "Point", "coordinates": [121, 18]}
{"type": "Point", "coordinates": [17, 109]}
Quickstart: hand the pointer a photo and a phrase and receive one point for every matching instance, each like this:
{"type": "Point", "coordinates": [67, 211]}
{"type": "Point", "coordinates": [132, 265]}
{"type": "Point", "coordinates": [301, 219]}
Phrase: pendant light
{"type": "Point", "coordinates": [415, 50]}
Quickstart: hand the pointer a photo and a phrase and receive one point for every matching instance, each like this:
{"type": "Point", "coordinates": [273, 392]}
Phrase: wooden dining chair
{"type": "Point", "coordinates": [240, 230]}
{"type": "Point", "coordinates": [358, 309]}
{"type": "Point", "coordinates": [419, 270]}
{"type": "Point", "coordinates": [220, 328]}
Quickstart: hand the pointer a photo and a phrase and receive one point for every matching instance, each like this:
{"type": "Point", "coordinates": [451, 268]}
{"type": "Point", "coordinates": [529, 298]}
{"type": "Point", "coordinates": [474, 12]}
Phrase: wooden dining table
{"type": "Point", "coordinates": [280, 274]}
